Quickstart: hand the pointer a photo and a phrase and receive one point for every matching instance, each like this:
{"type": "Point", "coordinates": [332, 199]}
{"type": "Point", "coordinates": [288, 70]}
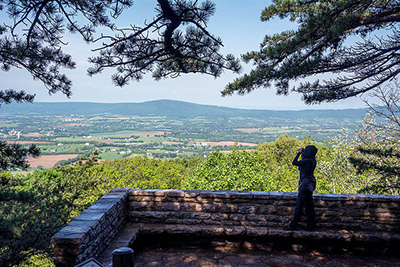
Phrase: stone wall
{"type": "Point", "coordinates": [89, 234]}
{"type": "Point", "coordinates": [262, 209]}
{"type": "Point", "coordinates": [348, 218]}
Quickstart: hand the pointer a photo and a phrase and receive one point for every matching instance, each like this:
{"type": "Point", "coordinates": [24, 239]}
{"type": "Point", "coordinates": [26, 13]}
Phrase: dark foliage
{"type": "Point", "coordinates": [162, 48]}
{"type": "Point", "coordinates": [318, 46]}
{"type": "Point", "coordinates": [13, 155]}
{"type": "Point", "coordinates": [7, 96]}
{"type": "Point", "coordinates": [33, 42]}
{"type": "Point", "coordinates": [35, 38]}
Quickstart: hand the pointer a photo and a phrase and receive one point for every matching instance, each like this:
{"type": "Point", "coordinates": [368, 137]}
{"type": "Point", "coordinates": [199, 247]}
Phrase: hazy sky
{"type": "Point", "coordinates": [237, 22]}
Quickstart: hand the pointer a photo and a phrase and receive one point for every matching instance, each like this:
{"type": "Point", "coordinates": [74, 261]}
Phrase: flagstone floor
{"type": "Point", "coordinates": [159, 257]}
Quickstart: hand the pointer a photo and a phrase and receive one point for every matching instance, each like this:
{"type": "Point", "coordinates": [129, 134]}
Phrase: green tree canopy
{"type": "Point", "coordinates": [318, 46]}
{"type": "Point", "coordinates": [236, 170]}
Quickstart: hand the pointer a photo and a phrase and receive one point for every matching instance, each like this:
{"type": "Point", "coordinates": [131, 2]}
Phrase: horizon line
{"type": "Point", "coordinates": [174, 100]}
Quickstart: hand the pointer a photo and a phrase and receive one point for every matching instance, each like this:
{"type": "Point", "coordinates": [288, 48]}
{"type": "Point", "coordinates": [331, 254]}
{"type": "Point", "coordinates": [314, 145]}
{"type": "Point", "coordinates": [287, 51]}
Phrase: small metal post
{"type": "Point", "coordinates": [123, 257]}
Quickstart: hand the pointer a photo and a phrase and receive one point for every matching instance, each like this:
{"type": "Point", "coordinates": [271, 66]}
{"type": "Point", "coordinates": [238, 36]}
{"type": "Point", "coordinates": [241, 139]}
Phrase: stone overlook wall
{"type": "Point", "coordinates": [345, 218]}
{"type": "Point", "coordinates": [263, 209]}
{"type": "Point", "coordinates": [89, 234]}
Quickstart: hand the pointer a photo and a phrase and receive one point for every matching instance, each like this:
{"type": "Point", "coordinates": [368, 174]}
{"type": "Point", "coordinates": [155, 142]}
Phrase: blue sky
{"type": "Point", "coordinates": [237, 22]}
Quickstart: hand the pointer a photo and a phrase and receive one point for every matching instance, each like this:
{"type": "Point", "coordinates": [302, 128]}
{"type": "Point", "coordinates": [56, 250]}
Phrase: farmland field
{"type": "Point", "coordinates": [158, 131]}
{"type": "Point", "coordinates": [49, 160]}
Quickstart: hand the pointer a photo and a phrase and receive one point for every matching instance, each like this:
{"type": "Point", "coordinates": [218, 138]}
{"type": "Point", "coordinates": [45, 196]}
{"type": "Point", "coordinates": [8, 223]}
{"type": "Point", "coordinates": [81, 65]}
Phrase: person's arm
{"type": "Point", "coordinates": [296, 160]}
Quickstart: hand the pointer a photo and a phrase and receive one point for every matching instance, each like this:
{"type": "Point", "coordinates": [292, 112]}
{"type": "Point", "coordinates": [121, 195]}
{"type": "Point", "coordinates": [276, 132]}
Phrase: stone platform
{"type": "Point", "coordinates": [172, 257]}
{"type": "Point", "coordinates": [250, 221]}
{"type": "Point", "coordinates": [212, 245]}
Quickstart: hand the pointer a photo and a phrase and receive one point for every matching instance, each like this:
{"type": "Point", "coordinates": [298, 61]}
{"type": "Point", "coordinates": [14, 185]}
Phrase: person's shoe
{"type": "Point", "coordinates": [289, 228]}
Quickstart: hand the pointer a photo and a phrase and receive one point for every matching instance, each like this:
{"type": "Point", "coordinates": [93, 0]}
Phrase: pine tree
{"type": "Point", "coordinates": [319, 46]}
{"type": "Point", "coordinates": [35, 39]}
{"type": "Point", "coordinates": [173, 52]}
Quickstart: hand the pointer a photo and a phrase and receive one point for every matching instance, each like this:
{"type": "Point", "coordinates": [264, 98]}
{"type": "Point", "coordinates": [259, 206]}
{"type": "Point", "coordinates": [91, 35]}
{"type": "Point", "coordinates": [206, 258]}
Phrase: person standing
{"type": "Point", "coordinates": [307, 184]}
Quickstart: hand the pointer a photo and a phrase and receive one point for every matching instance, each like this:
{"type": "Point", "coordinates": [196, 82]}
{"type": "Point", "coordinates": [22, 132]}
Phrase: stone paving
{"type": "Point", "coordinates": [159, 257]}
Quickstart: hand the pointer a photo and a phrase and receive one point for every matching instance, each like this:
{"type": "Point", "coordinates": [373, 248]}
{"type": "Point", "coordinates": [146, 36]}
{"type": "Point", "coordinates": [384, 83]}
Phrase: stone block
{"type": "Point", "coordinates": [90, 215]}
{"type": "Point", "coordinates": [268, 209]}
{"type": "Point", "coordinates": [248, 223]}
{"type": "Point", "coordinates": [65, 237]}
{"type": "Point", "coordinates": [149, 192]}
{"type": "Point", "coordinates": [140, 206]}
{"type": "Point", "coordinates": [156, 214]}
{"type": "Point", "coordinates": [168, 206]}
{"type": "Point", "coordinates": [175, 193]}
{"type": "Point", "coordinates": [332, 197]}
{"type": "Point", "coordinates": [236, 230]}
{"type": "Point", "coordinates": [211, 207]}
{"type": "Point", "coordinates": [216, 194]}
{"type": "Point", "coordinates": [102, 205]}
{"type": "Point", "coordinates": [149, 199]}
{"type": "Point", "coordinates": [284, 203]}
{"type": "Point", "coordinates": [255, 217]}
{"type": "Point", "coordinates": [219, 217]}
{"type": "Point", "coordinates": [285, 211]}
{"type": "Point", "coordinates": [180, 221]}
{"type": "Point", "coordinates": [177, 229]}
{"type": "Point", "coordinates": [229, 208]}
{"type": "Point", "coordinates": [219, 223]}
{"type": "Point", "coordinates": [191, 194]}
{"type": "Point", "coordinates": [320, 203]}
{"type": "Point", "coordinates": [289, 196]}
{"type": "Point", "coordinates": [247, 209]}
{"type": "Point", "coordinates": [200, 216]}
{"type": "Point", "coordinates": [189, 207]}
{"type": "Point", "coordinates": [276, 195]}
{"type": "Point", "coordinates": [275, 218]}
{"type": "Point", "coordinates": [210, 230]}
{"type": "Point", "coordinates": [237, 217]}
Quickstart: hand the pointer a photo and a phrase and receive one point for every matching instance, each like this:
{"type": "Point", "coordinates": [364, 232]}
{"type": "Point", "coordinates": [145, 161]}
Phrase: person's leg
{"type": "Point", "coordinates": [299, 208]}
{"type": "Point", "coordinates": [310, 210]}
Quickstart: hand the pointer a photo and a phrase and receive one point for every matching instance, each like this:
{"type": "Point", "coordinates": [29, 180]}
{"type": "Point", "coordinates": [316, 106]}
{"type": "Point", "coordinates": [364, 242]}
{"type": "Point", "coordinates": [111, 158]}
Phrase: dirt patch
{"type": "Point", "coordinates": [30, 142]}
{"type": "Point", "coordinates": [326, 130]}
{"type": "Point", "coordinates": [48, 161]}
{"type": "Point", "coordinates": [32, 134]}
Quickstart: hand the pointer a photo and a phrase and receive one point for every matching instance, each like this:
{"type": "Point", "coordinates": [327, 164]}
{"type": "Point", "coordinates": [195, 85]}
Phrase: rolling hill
{"type": "Point", "coordinates": [173, 108]}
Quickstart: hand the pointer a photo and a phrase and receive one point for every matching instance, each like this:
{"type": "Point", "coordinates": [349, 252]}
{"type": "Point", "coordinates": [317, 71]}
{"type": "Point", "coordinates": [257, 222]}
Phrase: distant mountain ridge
{"type": "Point", "coordinates": [171, 108]}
